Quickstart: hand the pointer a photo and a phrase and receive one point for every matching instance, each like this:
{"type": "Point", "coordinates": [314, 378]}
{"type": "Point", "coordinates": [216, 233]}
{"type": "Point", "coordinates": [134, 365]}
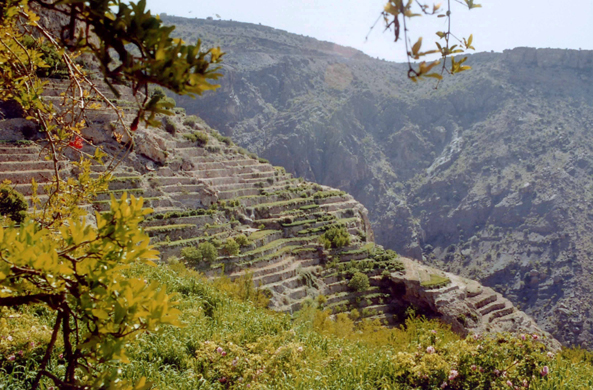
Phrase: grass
{"type": "Point", "coordinates": [261, 234]}
{"type": "Point", "coordinates": [436, 281]}
{"type": "Point", "coordinates": [309, 350]}
{"type": "Point", "coordinates": [169, 228]}
{"type": "Point", "coordinates": [299, 223]}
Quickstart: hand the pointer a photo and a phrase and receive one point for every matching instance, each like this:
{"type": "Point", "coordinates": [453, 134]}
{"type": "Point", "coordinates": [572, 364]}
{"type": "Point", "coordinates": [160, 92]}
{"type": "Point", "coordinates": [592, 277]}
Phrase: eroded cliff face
{"type": "Point", "coordinates": [489, 176]}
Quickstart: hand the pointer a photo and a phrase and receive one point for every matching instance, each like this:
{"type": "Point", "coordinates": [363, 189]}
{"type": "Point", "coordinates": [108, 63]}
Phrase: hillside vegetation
{"type": "Point", "coordinates": [489, 176]}
{"type": "Point", "coordinates": [229, 341]}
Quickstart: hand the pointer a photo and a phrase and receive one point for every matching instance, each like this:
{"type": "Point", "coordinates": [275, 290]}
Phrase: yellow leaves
{"type": "Point", "coordinates": [390, 8]}
{"type": "Point", "coordinates": [457, 67]}
{"type": "Point", "coordinates": [416, 47]}
{"type": "Point", "coordinates": [468, 43]}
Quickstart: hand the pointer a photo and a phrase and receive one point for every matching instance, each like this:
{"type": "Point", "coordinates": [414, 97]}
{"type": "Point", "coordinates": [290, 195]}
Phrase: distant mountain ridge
{"type": "Point", "coordinates": [489, 176]}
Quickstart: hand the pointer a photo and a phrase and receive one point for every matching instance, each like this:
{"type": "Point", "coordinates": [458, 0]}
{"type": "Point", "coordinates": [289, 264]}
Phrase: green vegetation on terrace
{"type": "Point", "coordinates": [167, 228]}
{"type": "Point", "coordinates": [261, 234]}
{"type": "Point", "coordinates": [299, 223]}
{"type": "Point", "coordinates": [436, 281]}
{"type": "Point", "coordinates": [280, 252]}
{"type": "Point", "coordinates": [188, 241]}
{"type": "Point", "coordinates": [276, 244]}
{"type": "Point", "coordinates": [328, 194]}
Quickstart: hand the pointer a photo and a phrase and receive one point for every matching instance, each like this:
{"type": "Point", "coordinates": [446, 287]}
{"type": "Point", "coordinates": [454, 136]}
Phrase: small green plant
{"type": "Point", "coordinates": [198, 137]}
{"type": "Point", "coordinates": [190, 121]}
{"type": "Point", "coordinates": [242, 240]}
{"type": "Point", "coordinates": [12, 204]}
{"type": "Point", "coordinates": [359, 282]}
{"type": "Point", "coordinates": [170, 126]}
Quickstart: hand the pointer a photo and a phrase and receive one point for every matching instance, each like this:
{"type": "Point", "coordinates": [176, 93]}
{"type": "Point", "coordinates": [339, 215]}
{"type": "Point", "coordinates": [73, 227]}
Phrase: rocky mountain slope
{"type": "Point", "coordinates": [203, 188]}
{"type": "Point", "coordinates": [489, 176]}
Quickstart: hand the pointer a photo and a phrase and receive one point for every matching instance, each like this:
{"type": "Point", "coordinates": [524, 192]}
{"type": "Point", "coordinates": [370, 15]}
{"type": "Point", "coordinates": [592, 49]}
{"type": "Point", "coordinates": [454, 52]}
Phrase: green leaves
{"type": "Point", "coordinates": [80, 270]}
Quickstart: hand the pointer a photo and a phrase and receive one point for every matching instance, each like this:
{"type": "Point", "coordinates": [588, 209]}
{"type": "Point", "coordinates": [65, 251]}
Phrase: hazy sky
{"type": "Point", "coordinates": [498, 25]}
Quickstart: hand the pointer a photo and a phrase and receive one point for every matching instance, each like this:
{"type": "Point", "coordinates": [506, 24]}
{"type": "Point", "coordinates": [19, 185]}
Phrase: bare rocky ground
{"type": "Point", "coordinates": [216, 191]}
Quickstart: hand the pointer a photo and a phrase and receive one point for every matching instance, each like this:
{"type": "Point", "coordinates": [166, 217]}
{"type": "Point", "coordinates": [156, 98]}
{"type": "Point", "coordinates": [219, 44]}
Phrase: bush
{"type": "Point", "coordinates": [230, 248]}
{"type": "Point", "coordinates": [242, 240]}
{"type": "Point", "coordinates": [191, 254]}
{"type": "Point", "coordinates": [170, 126]}
{"type": "Point", "coordinates": [209, 252]}
{"type": "Point", "coordinates": [12, 204]}
{"type": "Point", "coordinates": [200, 138]}
{"type": "Point", "coordinates": [335, 237]}
{"type": "Point", "coordinates": [359, 282]}
{"type": "Point", "coordinates": [190, 121]}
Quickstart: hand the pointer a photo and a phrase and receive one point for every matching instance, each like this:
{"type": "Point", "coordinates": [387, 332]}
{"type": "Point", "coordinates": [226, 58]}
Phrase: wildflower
{"type": "Point", "coordinates": [76, 143]}
{"type": "Point", "coordinates": [32, 344]}
{"type": "Point", "coordinates": [481, 369]}
{"type": "Point", "coordinates": [544, 371]}
{"type": "Point", "coordinates": [11, 357]}
{"type": "Point", "coordinates": [223, 353]}
{"type": "Point", "coordinates": [443, 385]}
{"type": "Point", "coordinates": [433, 331]}
{"type": "Point", "coordinates": [240, 379]}
{"type": "Point", "coordinates": [525, 383]}
{"type": "Point", "coordinates": [61, 356]}
{"type": "Point", "coordinates": [496, 372]}
{"type": "Point", "coordinates": [21, 353]}
{"type": "Point", "coordinates": [523, 337]}
{"type": "Point", "coordinates": [222, 380]}
{"type": "Point", "coordinates": [219, 350]}
{"type": "Point", "coordinates": [300, 349]}
{"type": "Point", "coordinates": [473, 367]}
{"type": "Point", "coordinates": [340, 350]}
{"type": "Point", "coordinates": [509, 383]}
{"type": "Point", "coordinates": [430, 349]}
{"type": "Point", "coordinates": [235, 361]}
{"type": "Point", "coordinates": [551, 355]}
{"type": "Point", "coordinates": [9, 338]}
{"type": "Point", "coordinates": [535, 337]}
{"type": "Point", "coordinates": [504, 374]}
{"type": "Point", "coordinates": [476, 336]}
{"type": "Point", "coordinates": [453, 374]}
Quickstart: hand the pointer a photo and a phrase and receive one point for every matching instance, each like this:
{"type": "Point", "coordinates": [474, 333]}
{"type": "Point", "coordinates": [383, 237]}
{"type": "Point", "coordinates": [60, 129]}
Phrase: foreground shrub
{"type": "Point", "coordinates": [229, 341]}
{"type": "Point", "coordinates": [77, 275]}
